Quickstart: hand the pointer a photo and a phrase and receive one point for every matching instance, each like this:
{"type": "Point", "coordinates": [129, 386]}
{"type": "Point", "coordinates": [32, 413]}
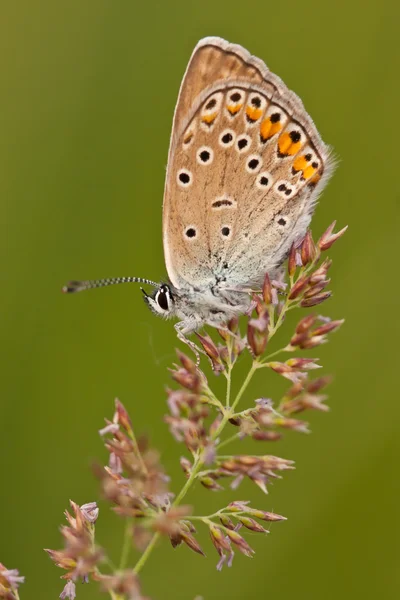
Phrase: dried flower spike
{"type": "Point", "coordinates": [10, 580]}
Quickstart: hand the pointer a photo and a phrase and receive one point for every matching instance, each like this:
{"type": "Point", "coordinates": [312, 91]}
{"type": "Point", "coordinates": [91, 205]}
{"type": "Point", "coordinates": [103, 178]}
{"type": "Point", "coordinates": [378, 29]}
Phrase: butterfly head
{"type": "Point", "coordinates": [161, 301]}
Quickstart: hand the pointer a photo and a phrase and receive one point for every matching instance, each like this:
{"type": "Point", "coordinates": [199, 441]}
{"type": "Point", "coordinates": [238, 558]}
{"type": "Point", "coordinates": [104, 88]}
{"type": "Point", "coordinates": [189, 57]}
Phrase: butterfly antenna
{"type": "Point", "coordinates": [79, 286]}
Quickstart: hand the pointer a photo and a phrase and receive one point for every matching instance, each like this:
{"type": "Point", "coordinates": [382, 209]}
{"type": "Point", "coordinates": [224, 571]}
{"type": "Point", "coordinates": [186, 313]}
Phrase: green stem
{"type": "Point", "coordinates": [212, 399]}
{"type": "Point", "coordinates": [222, 511]}
{"type": "Point", "coordinates": [228, 387]}
{"type": "Point", "coordinates": [245, 384]}
{"type": "Point", "coordinates": [267, 358]}
{"type": "Point", "coordinates": [232, 438]}
{"type": "Point", "coordinates": [149, 548]}
{"type": "Point", "coordinates": [279, 320]}
{"type": "Point", "coordinates": [198, 463]}
{"type": "Point", "coordinates": [127, 545]}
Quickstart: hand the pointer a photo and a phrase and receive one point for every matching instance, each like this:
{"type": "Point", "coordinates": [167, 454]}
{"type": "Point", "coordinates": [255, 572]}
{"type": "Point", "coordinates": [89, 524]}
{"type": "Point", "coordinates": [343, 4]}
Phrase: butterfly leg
{"type": "Point", "coordinates": [182, 328]}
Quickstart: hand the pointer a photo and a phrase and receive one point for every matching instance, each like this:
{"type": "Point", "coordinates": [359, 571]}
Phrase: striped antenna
{"type": "Point", "coordinates": [79, 286]}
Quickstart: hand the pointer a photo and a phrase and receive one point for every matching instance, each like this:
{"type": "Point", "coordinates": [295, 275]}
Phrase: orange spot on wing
{"type": "Point", "coordinates": [188, 137]}
{"type": "Point", "coordinates": [308, 172]}
{"type": "Point", "coordinates": [284, 143]}
{"type": "Point", "coordinates": [268, 129]}
{"type": "Point", "coordinates": [209, 118]}
{"type": "Point", "coordinates": [314, 180]}
{"type": "Point", "coordinates": [286, 146]}
{"type": "Point", "coordinates": [253, 113]}
{"type": "Point", "coordinates": [234, 108]}
{"type": "Point", "coordinates": [300, 163]}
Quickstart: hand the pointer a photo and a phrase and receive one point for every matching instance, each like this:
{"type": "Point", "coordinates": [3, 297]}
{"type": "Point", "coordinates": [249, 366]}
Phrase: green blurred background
{"type": "Point", "coordinates": [88, 92]}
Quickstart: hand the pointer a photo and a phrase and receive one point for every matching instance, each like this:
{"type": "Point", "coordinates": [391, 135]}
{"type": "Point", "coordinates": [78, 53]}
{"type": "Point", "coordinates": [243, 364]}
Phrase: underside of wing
{"type": "Point", "coordinates": [246, 164]}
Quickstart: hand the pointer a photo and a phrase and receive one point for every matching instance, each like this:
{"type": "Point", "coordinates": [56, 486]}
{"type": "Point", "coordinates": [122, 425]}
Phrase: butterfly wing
{"type": "Point", "coordinates": [246, 164]}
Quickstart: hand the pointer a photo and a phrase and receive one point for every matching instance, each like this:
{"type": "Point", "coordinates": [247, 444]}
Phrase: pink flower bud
{"type": "Point", "coordinates": [308, 249]}
{"type": "Point", "coordinates": [328, 238]}
{"type": "Point", "coordinates": [267, 290]}
{"type": "Point", "coordinates": [328, 327]}
{"type": "Point", "coordinates": [298, 287]}
{"type": "Point", "coordinates": [318, 299]}
{"type": "Point", "coordinates": [292, 261]}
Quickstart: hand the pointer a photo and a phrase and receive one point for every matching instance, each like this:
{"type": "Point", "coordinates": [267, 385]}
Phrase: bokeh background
{"type": "Point", "coordinates": [88, 89]}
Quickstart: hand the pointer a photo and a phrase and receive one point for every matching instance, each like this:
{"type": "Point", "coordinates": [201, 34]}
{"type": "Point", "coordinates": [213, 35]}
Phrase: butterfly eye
{"type": "Point", "coordinates": [162, 298]}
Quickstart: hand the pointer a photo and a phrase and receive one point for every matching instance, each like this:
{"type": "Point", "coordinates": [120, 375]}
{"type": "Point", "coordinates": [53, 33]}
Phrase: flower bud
{"type": "Point", "coordinates": [210, 484]}
{"type": "Point", "coordinates": [69, 591]}
{"type": "Point", "coordinates": [251, 524]}
{"type": "Point", "coordinates": [266, 516]}
{"type": "Point", "coordinates": [266, 436]}
{"type": "Point", "coordinates": [186, 362]}
{"type": "Point", "coordinates": [227, 522]}
{"type": "Point", "coordinates": [90, 511]}
{"type": "Point", "coordinates": [328, 327]}
{"type": "Point", "coordinates": [240, 542]}
{"type": "Point", "coordinates": [225, 336]}
{"type": "Point", "coordinates": [233, 325]}
{"type": "Point", "coordinates": [318, 299]}
{"type": "Point", "coordinates": [294, 424]}
{"type": "Point", "coordinates": [305, 324]}
{"type": "Point", "coordinates": [307, 364]}
{"type": "Point", "coordinates": [328, 238]}
{"type": "Point", "coordinates": [191, 542]}
{"type": "Point", "coordinates": [121, 416]}
{"type": "Point", "coordinates": [317, 288]}
{"type": "Point", "coordinates": [279, 367]}
{"type": "Point", "coordinates": [308, 249]}
{"type": "Point", "coordinates": [259, 305]}
{"type": "Point", "coordinates": [267, 290]}
{"type": "Point", "coordinates": [209, 347]}
{"type": "Point", "coordinates": [319, 384]}
{"type": "Point", "coordinates": [292, 261]}
{"type": "Point", "coordinates": [190, 381]}
{"type": "Point", "coordinates": [218, 539]}
{"type": "Point", "coordinates": [257, 334]}
{"type": "Point", "coordinates": [299, 287]}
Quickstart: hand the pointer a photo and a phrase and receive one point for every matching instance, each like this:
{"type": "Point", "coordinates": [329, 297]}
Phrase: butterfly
{"type": "Point", "coordinates": [245, 167]}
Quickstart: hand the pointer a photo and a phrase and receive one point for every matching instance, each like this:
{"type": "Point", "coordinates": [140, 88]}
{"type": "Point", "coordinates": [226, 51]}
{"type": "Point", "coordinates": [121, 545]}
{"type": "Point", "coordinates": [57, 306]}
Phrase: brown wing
{"type": "Point", "coordinates": [245, 164]}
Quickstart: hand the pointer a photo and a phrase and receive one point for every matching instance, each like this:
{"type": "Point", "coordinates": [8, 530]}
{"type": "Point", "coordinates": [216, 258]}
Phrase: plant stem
{"type": "Point", "coordinates": [267, 358]}
{"type": "Point", "coordinates": [149, 548]}
{"type": "Point", "coordinates": [232, 438]}
{"type": "Point", "coordinates": [222, 511]}
{"type": "Point", "coordinates": [228, 387]}
{"type": "Point", "coordinates": [126, 545]}
{"type": "Point", "coordinates": [245, 384]}
{"type": "Point", "coordinates": [198, 463]}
